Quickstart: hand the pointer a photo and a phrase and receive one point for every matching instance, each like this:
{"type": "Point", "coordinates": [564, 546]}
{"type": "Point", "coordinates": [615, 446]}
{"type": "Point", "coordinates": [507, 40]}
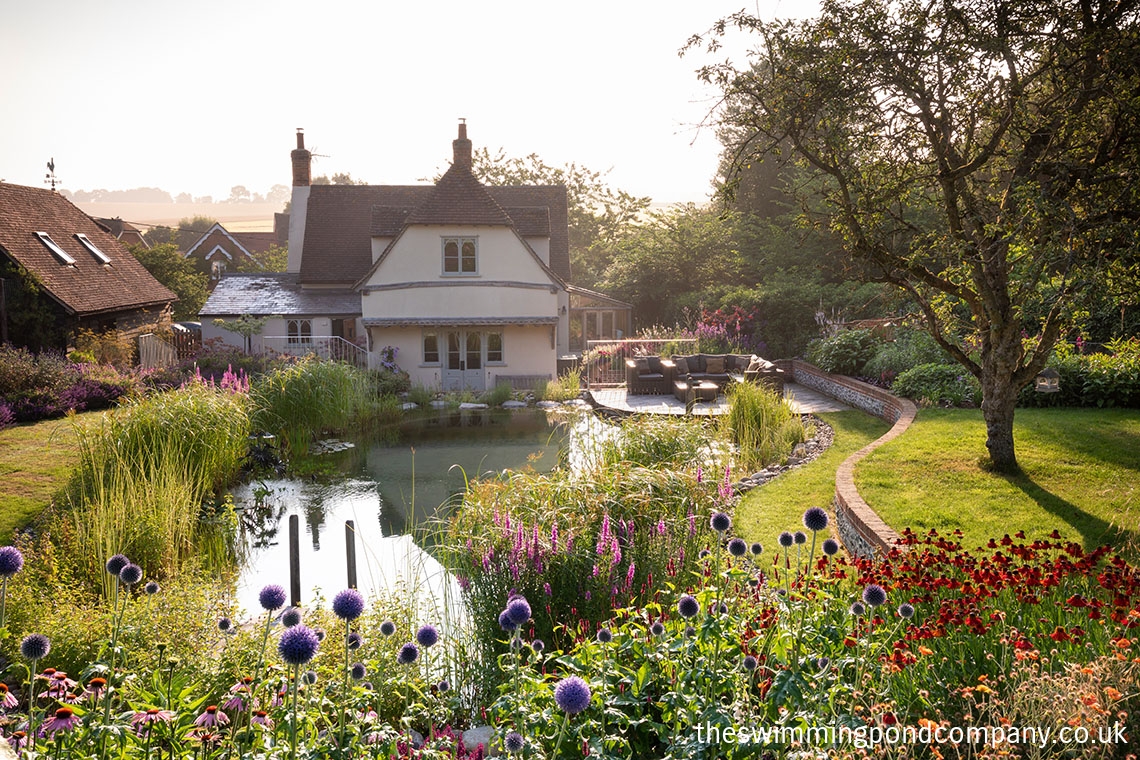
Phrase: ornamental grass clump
{"type": "Point", "coordinates": [762, 426]}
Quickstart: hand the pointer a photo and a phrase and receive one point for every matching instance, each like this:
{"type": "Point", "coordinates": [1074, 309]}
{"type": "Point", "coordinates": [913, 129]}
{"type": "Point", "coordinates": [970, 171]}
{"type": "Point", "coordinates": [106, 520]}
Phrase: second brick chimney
{"type": "Point", "coordinates": [302, 162]}
{"type": "Point", "coordinates": [461, 147]}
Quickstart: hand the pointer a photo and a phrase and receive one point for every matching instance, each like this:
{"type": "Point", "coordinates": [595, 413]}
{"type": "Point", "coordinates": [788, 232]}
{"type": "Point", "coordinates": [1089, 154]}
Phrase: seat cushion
{"type": "Point", "coordinates": [642, 365]}
{"type": "Point", "coordinates": [682, 365]}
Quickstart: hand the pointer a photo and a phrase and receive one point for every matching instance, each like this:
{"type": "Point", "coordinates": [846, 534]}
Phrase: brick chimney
{"type": "Point", "coordinates": [461, 147]}
{"type": "Point", "coordinates": [302, 162]}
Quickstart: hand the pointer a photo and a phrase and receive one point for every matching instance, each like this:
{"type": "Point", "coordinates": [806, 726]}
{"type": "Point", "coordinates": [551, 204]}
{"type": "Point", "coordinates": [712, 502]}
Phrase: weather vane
{"type": "Point", "coordinates": [50, 177]}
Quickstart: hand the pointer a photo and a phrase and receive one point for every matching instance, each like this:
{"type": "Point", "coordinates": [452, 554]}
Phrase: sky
{"type": "Point", "coordinates": [200, 97]}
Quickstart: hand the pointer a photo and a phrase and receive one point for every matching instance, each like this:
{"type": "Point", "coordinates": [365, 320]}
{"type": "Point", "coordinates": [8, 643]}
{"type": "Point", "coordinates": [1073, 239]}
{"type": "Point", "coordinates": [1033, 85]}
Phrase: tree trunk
{"type": "Point", "coordinates": [999, 398]}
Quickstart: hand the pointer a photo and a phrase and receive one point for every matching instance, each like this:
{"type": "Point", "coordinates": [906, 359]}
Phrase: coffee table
{"type": "Point", "coordinates": [705, 391]}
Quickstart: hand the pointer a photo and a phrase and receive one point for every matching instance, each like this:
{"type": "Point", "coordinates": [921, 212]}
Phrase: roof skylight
{"type": "Point", "coordinates": [103, 258]}
{"type": "Point", "coordinates": [53, 246]}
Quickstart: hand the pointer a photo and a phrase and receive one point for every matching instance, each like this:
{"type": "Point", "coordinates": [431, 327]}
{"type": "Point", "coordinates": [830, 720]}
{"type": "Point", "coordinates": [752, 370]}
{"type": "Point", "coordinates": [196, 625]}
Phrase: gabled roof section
{"type": "Point", "coordinates": [88, 286]}
{"type": "Point", "coordinates": [387, 221]}
{"type": "Point", "coordinates": [553, 198]}
{"type": "Point", "coordinates": [531, 221]}
{"type": "Point", "coordinates": [214, 233]}
{"type": "Point", "coordinates": [459, 198]}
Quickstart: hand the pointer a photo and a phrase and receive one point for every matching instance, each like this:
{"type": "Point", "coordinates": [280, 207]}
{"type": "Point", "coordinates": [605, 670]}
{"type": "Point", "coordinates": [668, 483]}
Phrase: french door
{"type": "Point", "coordinates": [463, 365]}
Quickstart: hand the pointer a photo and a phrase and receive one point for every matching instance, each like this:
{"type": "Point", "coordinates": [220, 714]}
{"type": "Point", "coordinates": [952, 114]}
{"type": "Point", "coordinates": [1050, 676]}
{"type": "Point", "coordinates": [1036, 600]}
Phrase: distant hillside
{"type": "Point", "coordinates": [237, 217]}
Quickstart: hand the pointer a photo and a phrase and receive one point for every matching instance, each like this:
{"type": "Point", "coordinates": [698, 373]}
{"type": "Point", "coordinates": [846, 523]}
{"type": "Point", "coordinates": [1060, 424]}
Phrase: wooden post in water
{"type": "Point", "coordinates": [295, 560]}
{"type": "Point", "coordinates": [350, 551]}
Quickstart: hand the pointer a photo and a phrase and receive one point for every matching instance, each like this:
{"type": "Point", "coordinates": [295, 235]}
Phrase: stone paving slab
{"type": "Point", "coordinates": [803, 400]}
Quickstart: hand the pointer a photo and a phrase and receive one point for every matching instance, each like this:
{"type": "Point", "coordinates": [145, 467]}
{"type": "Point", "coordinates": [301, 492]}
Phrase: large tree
{"type": "Point", "coordinates": [979, 154]}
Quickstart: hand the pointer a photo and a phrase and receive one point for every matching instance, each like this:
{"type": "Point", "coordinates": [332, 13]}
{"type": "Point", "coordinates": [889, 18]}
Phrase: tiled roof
{"type": "Point", "coordinates": [256, 242]}
{"type": "Point", "coordinates": [459, 198]}
{"type": "Point", "coordinates": [276, 293]}
{"type": "Point", "coordinates": [342, 219]}
{"type": "Point", "coordinates": [88, 286]}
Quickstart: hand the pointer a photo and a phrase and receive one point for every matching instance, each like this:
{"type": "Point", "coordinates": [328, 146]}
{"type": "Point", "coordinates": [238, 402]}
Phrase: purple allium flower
{"type": "Point", "coordinates": [514, 742]}
{"type": "Point", "coordinates": [688, 606]}
{"type": "Point", "coordinates": [737, 547]}
{"type": "Point", "coordinates": [505, 621]}
{"type": "Point", "coordinates": [64, 719]}
{"type": "Point", "coordinates": [690, 632]}
{"type": "Point", "coordinates": [298, 645]}
{"type": "Point", "coordinates": [358, 671]}
{"type": "Point", "coordinates": [857, 609]}
{"type": "Point", "coordinates": [815, 519]}
{"type": "Point", "coordinates": [516, 644]}
{"type": "Point", "coordinates": [657, 629]}
{"type": "Point", "coordinates": [387, 628]}
{"type": "Point", "coordinates": [320, 633]}
{"type": "Point", "coordinates": [291, 617]}
{"type": "Point", "coordinates": [225, 624]}
{"type": "Point", "coordinates": [519, 610]}
{"type": "Point", "coordinates": [272, 597]}
{"type": "Point", "coordinates": [538, 645]}
{"type": "Point", "coordinates": [874, 595]}
{"type": "Point", "coordinates": [211, 717]}
{"type": "Point", "coordinates": [348, 604]}
{"type": "Point", "coordinates": [572, 695]}
{"type": "Point", "coordinates": [354, 641]}
{"type": "Point", "coordinates": [443, 686]}
{"type": "Point", "coordinates": [749, 663]}
{"type": "Point", "coordinates": [721, 522]}
{"type": "Point", "coordinates": [785, 539]}
{"type": "Point", "coordinates": [756, 548]}
{"type": "Point", "coordinates": [604, 635]}
{"type": "Point", "coordinates": [408, 654]}
{"type": "Point", "coordinates": [428, 635]}
{"type": "Point", "coordinates": [703, 554]}
{"type": "Point", "coordinates": [722, 608]}
{"type": "Point", "coordinates": [11, 560]}
{"type": "Point", "coordinates": [117, 563]}
{"type": "Point", "coordinates": [799, 537]}
{"type": "Point", "coordinates": [130, 574]}
{"type": "Point", "coordinates": [35, 646]}
{"type": "Point", "coordinates": [906, 611]}
{"type": "Point", "coordinates": [830, 547]}
{"type": "Point", "coordinates": [151, 588]}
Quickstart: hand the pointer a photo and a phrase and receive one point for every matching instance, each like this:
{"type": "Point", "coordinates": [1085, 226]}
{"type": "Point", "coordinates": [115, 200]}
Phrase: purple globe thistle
{"type": "Point", "coordinates": [688, 606]}
{"type": "Point", "coordinates": [443, 686]}
{"type": "Point", "coordinates": [428, 635]}
{"type": "Point", "coordinates": [690, 632]}
{"type": "Point", "coordinates": [130, 574]}
{"type": "Point", "coordinates": [348, 604]}
{"type": "Point", "coordinates": [354, 641]}
{"type": "Point", "coordinates": [857, 609]}
{"type": "Point", "coordinates": [407, 654]}
{"type": "Point", "coordinates": [514, 742]}
{"type": "Point", "coordinates": [298, 645]}
{"type": "Point", "coordinates": [704, 554]}
{"type": "Point", "coordinates": [720, 522]}
{"type": "Point", "coordinates": [505, 621]}
{"type": "Point", "coordinates": [387, 628]}
{"type": "Point", "coordinates": [572, 695]}
{"type": "Point", "coordinates": [737, 547]}
{"type": "Point", "coordinates": [799, 537]}
{"type": "Point", "coordinates": [815, 519]}
{"type": "Point", "coordinates": [11, 561]}
{"type": "Point", "coordinates": [225, 624]}
{"type": "Point", "coordinates": [657, 629]}
{"type": "Point", "coordinates": [320, 633]}
{"type": "Point", "coordinates": [874, 595]}
{"type": "Point", "coordinates": [785, 539]}
{"type": "Point", "coordinates": [272, 597]}
{"type": "Point", "coordinates": [116, 563]}
{"type": "Point", "coordinates": [358, 671]}
{"type": "Point", "coordinates": [756, 548]}
{"type": "Point", "coordinates": [291, 617]}
{"type": "Point", "coordinates": [151, 588]}
{"type": "Point", "coordinates": [749, 663]}
{"type": "Point", "coordinates": [519, 610]}
{"type": "Point", "coordinates": [604, 636]}
{"type": "Point", "coordinates": [830, 547]}
{"type": "Point", "coordinates": [35, 646]}
{"type": "Point", "coordinates": [516, 644]}
{"type": "Point", "coordinates": [906, 611]}
{"type": "Point", "coordinates": [309, 677]}
{"type": "Point", "coordinates": [722, 608]}
{"type": "Point", "coordinates": [538, 645]}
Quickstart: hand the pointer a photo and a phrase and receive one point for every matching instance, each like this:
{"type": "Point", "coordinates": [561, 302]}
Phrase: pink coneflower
{"type": "Point", "coordinates": [261, 718]}
{"type": "Point", "coordinates": [239, 699]}
{"type": "Point", "coordinates": [142, 721]}
{"type": "Point", "coordinates": [64, 719]}
{"type": "Point", "coordinates": [18, 740]}
{"type": "Point", "coordinates": [60, 686]}
{"type": "Point", "coordinates": [7, 699]}
{"type": "Point", "coordinates": [212, 717]}
{"type": "Point", "coordinates": [96, 686]}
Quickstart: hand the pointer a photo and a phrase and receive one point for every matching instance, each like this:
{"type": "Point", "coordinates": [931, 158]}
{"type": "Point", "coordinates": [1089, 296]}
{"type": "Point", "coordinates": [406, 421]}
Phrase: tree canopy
{"type": "Point", "coordinates": [981, 155]}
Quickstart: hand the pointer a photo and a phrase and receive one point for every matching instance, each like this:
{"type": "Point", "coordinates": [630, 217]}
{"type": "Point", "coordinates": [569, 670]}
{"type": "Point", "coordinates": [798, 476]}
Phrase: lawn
{"type": "Point", "coordinates": [778, 506]}
{"type": "Point", "coordinates": [1081, 474]}
{"type": "Point", "coordinates": [36, 459]}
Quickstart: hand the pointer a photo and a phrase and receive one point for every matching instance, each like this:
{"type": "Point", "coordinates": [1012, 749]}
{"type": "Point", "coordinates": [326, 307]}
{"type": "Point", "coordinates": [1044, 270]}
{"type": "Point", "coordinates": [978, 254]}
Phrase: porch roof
{"type": "Point", "coordinates": [277, 294]}
{"type": "Point", "coordinates": [456, 321]}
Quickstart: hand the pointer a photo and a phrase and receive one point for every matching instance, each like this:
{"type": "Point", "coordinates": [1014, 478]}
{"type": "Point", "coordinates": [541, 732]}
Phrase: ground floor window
{"type": "Point", "coordinates": [494, 348]}
{"type": "Point", "coordinates": [431, 348]}
{"type": "Point", "coordinates": [300, 331]}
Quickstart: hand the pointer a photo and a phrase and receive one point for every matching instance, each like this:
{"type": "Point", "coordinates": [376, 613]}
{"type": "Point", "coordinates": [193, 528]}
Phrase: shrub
{"type": "Point", "coordinates": [909, 349]}
{"type": "Point", "coordinates": [500, 393]}
{"type": "Point", "coordinates": [938, 385]}
{"type": "Point", "coordinates": [420, 396]}
{"type": "Point", "coordinates": [1100, 380]}
{"type": "Point", "coordinates": [845, 353]}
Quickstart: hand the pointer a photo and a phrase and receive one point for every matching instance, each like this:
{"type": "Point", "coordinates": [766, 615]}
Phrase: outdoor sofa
{"type": "Point", "coordinates": [656, 375]}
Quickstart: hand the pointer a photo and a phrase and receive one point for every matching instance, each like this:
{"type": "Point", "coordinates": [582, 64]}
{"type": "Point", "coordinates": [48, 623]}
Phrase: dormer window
{"type": "Point", "coordinates": [102, 257]}
{"type": "Point", "coordinates": [460, 256]}
{"type": "Point", "coordinates": [53, 246]}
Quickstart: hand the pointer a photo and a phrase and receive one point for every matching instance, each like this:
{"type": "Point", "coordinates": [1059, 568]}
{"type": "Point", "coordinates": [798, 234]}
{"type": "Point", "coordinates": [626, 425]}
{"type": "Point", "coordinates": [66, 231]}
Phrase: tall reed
{"type": "Point", "coordinates": [144, 472]}
{"type": "Point", "coordinates": [761, 424]}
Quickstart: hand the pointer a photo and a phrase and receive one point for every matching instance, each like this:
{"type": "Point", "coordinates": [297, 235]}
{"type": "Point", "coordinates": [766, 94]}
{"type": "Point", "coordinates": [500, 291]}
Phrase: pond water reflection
{"type": "Point", "coordinates": [388, 486]}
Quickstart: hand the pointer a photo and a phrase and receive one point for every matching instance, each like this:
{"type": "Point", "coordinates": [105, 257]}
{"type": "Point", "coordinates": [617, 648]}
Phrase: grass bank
{"type": "Point", "coordinates": [778, 506]}
{"type": "Point", "coordinates": [1080, 475]}
{"type": "Point", "coordinates": [36, 461]}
